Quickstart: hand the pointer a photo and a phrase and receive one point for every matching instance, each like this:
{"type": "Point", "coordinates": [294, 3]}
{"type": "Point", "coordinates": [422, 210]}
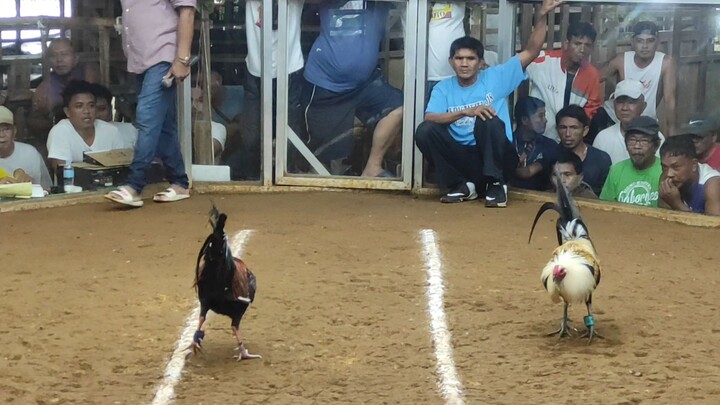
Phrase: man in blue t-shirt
{"type": "Point", "coordinates": [467, 131]}
{"type": "Point", "coordinates": [345, 82]}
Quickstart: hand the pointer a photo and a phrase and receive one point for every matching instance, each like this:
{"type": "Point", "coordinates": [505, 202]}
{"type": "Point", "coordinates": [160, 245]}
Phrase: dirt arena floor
{"type": "Point", "coordinates": [93, 300]}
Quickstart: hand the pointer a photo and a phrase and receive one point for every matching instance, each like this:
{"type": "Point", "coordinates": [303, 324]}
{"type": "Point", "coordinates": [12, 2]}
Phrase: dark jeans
{"type": "Point", "coordinates": [156, 122]}
{"type": "Point", "coordinates": [244, 161]}
{"type": "Point", "coordinates": [491, 159]}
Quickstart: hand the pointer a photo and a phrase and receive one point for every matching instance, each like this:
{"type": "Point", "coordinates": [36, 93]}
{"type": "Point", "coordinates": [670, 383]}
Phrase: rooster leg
{"type": "Point", "coordinates": [564, 329]}
{"type": "Point", "coordinates": [196, 345]}
{"type": "Point", "coordinates": [244, 354]}
{"type": "Point", "coordinates": [590, 324]}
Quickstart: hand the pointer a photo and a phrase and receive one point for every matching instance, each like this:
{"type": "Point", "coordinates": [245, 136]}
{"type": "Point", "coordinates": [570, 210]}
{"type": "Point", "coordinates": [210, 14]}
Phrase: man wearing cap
{"type": "Point", "coordinates": [687, 185]}
{"type": "Point", "coordinates": [655, 70]}
{"type": "Point", "coordinates": [636, 180]}
{"type": "Point", "coordinates": [629, 102]}
{"type": "Point", "coordinates": [703, 131]}
{"type": "Point", "coordinates": [21, 162]}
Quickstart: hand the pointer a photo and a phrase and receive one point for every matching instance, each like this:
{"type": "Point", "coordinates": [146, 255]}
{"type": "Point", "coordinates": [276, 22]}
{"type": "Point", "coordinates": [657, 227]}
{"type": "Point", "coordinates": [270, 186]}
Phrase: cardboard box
{"type": "Point", "coordinates": [110, 169]}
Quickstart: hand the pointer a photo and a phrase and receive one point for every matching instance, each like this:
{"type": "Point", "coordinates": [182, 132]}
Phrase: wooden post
{"type": "Point", "coordinates": [704, 43]}
{"type": "Point", "coordinates": [104, 49]}
{"type": "Point", "coordinates": [202, 133]}
{"type": "Point", "coordinates": [565, 21]}
{"type": "Point", "coordinates": [526, 23]}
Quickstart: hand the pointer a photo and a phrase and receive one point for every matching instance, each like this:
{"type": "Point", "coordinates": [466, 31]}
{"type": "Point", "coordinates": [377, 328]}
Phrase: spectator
{"type": "Point", "coordinates": [687, 185]}
{"type": "Point", "coordinates": [103, 111]}
{"type": "Point", "coordinates": [467, 131]}
{"type": "Point", "coordinates": [536, 153]}
{"type": "Point", "coordinates": [157, 37]}
{"type": "Point", "coordinates": [629, 103]}
{"type": "Point", "coordinates": [447, 23]}
{"type": "Point", "coordinates": [572, 126]}
{"type": "Point", "coordinates": [655, 70]}
{"type": "Point", "coordinates": [345, 82]}
{"type": "Point", "coordinates": [226, 101]}
{"type": "Point", "coordinates": [80, 132]}
{"type": "Point", "coordinates": [636, 180]}
{"type": "Point", "coordinates": [564, 77]}
{"type": "Point", "coordinates": [47, 99]}
{"type": "Point", "coordinates": [703, 130]}
{"type": "Point", "coordinates": [243, 156]}
{"type": "Point", "coordinates": [19, 160]}
{"type": "Point", "coordinates": [570, 168]}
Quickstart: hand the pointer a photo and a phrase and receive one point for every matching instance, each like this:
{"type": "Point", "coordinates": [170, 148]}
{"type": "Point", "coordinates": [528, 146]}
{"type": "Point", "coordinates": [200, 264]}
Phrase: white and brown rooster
{"type": "Point", "coordinates": [573, 273]}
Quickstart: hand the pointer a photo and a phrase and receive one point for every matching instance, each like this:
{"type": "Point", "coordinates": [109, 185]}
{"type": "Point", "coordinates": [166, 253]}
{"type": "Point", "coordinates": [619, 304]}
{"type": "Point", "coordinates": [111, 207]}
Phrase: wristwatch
{"type": "Point", "coordinates": [185, 61]}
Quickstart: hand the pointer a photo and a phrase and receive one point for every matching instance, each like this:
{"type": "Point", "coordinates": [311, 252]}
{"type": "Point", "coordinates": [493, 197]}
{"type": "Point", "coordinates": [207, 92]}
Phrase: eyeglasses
{"type": "Point", "coordinates": [639, 141]}
{"type": "Point", "coordinates": [7, 129]}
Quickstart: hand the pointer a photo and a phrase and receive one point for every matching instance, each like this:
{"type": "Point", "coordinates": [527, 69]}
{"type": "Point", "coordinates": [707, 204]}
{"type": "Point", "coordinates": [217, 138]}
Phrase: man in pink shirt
{"type": "Point", "coordinates": [157, 35]}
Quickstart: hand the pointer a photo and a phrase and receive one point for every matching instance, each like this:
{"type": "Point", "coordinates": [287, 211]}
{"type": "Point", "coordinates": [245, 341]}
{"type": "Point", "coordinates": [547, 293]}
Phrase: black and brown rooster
{"type": "Point", "coordinates": [573, 273]}
{"type": "Point", "coordinates": [224, 284]}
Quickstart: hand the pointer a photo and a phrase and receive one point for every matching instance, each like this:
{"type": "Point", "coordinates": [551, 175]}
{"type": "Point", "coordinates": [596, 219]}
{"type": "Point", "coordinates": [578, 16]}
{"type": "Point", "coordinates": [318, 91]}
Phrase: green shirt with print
{"type": "Point", "coordinates": [628, 185]}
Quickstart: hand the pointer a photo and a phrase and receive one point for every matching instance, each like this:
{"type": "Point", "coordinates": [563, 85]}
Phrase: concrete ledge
{"type": "Point", "coordinates": [697, 220]}
{"type": "Point", "coordinates": [685, 218]}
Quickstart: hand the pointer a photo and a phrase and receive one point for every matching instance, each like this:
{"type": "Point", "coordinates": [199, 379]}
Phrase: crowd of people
{"type": "Point", "coordinates": [609, 149]}
{"type": "Point", "coordinates": [613, 150]}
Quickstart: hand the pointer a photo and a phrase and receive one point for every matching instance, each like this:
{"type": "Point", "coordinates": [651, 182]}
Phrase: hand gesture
{"type": "Point", "coordinates": [484, 112]}
{"type": "Point", "coordinates": [669, 192]}
{"type": "Point", "coordinates": [550, 5]}
{"type": "Point", "coordinates": [178, 71]}
{"type": "Point", "coordinates": [522, 161]}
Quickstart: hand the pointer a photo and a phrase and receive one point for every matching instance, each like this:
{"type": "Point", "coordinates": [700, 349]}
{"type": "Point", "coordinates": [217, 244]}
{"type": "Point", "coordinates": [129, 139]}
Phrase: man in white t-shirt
{"type": "Point", "coordinates": [244, 161]}
{"type": "Point", "coordinates": [447, 23]}
{"type": "Point", "coordinates": [70, 138]}
{"type": "Point", "coordinates": [20, 161]}
{"type": "Point", "coordinates": [629, 103]}
{"type": "Point", "coordinates": [103, 111]}
{"type": "Point", "coordinates": [655, 70]}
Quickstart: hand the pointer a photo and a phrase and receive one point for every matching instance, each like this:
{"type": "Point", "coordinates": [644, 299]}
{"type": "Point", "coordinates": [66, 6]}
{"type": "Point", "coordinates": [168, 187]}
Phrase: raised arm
{"type": "Point", "coordinates": [669, 70]}
{"type": "Point", "coordinates": [612, 70]}
{"type": "Point", "coordinates": [537, 38]}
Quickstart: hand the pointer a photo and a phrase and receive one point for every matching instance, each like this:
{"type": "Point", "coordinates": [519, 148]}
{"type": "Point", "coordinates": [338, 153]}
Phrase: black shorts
{"type": "Point", "coordinates": [330, 116]}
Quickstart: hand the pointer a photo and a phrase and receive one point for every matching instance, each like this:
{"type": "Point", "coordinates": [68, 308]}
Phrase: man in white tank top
{"type": "Point", "coordinates": [655, 70]}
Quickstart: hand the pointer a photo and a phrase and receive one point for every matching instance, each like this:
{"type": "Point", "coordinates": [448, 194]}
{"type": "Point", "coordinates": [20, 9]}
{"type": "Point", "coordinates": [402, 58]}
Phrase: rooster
{"type": "Point", "coordinates": [224, 284]}
{"type": "Point", "coordinates": [573, 273]}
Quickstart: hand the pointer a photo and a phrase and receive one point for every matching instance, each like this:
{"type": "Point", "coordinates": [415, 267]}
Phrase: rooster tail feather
{"type": "Point", "coordinates": [214, 214]}
{"type": "Point", "coordinates": [570, 225]}
{"type": "Point", "coordinates": [198, 266]}
{"type": "Point", "coordinates": [545, 207]}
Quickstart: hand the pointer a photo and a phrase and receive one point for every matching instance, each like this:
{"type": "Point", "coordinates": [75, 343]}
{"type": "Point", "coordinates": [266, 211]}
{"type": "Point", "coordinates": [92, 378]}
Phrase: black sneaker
{"type": "Point", "coordinates": [496, 195]}
{"type": "Point", "coordinates": [459, 194]}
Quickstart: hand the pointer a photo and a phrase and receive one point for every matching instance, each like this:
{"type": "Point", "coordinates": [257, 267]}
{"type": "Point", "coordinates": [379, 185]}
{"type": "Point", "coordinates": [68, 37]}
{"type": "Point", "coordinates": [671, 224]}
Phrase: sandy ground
{"type": "Point", "coordinates": [94, 300]}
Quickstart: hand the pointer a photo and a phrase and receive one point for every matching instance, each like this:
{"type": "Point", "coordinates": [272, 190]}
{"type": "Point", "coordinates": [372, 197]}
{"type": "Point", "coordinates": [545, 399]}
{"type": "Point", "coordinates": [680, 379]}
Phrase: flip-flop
{"type": "Point", "coordinates": [170, 195]}
{"type": "Point", "coordinates": [123, 196]}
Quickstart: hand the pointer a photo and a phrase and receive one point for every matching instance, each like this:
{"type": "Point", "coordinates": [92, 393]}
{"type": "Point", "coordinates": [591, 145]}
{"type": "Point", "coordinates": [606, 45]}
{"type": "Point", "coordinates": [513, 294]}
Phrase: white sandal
{"type": "Point", "coordinates": [123, 196]}
{"type": "Point", "coordinates": [170, 195]}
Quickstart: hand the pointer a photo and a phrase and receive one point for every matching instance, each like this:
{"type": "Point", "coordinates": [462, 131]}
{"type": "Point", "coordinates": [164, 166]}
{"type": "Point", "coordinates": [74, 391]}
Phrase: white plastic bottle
{"type": "Point", "coordinates": [68, 174]}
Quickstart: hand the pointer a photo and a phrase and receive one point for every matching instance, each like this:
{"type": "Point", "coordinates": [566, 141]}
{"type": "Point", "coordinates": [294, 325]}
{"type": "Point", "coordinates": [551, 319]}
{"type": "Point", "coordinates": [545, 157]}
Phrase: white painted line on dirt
{"type": "Point", "coordinates": [166, 391]}
{"type": "Point", "coordinates": [449, 382]}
